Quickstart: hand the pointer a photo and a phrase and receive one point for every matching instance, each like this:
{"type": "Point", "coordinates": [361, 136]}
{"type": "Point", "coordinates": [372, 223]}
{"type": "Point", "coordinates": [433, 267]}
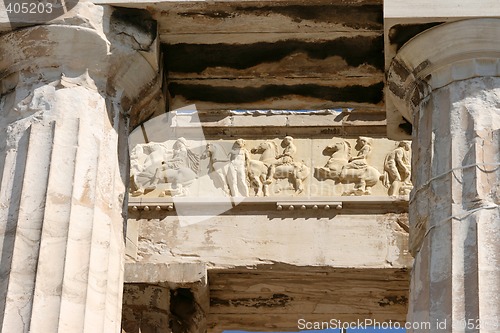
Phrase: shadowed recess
{"type": "Point", "coordinates": [140, 19]}
{"type": "Point", "coordinates": [198, 92]}
{"type": "Point", "coordinates": [358, 17]}
{"type": "Point", "coordinates": [194, 58]}
{"type": "Point", "coordinates": [401, 33]}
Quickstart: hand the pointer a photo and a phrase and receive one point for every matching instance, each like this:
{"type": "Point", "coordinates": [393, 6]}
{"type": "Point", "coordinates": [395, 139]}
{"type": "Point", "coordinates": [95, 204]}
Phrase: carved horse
{"type": "Point", "coordinates": [295, 172]}
{"type": "Point", "coordinates": [155, 170]}
{"type": "Point", "coordinates": [363, 178]}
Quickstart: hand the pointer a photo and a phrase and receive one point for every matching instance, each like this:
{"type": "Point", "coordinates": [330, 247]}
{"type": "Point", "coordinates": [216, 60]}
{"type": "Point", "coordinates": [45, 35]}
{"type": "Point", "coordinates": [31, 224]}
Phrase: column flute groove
{"type": "Point", "coordinates": [10, 197]}
{"type": "Point", "coordinates": [21, 286]}
{"type": "Point", "coordinates": [55, 230]}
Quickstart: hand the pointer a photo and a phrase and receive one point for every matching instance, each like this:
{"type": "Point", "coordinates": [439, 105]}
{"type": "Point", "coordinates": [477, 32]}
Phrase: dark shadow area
{"type": "Point", "coordinates": [194, 58]}
{"type": "Point", "coordinates": [401, 33]}
{"type": "Point", "coordinates": [372, 94]}
{"type": "Point", "coordinates": [406, 126]}
{"type": "Point", "coordinates": [182, 310]}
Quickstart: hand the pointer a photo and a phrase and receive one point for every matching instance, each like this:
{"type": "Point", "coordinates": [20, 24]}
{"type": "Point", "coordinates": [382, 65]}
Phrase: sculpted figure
{"type": "Point", "coordinates": [239, 158]}
{"type": "Point", "coordinates": [363, 145]}
{"type": "Point", "coordinates": [272, 166]}
{"type": "Point", "coordinates": [397, 169]}
{"type": "Point", "coordinates": [229, 171]}
{"type": "Point", "coordinates": [286, 158]}
{"type": "Point", "coordinates": [152, 166]}
{"type": "Point", "coordinates": [145, 159]}
{"type": "Point", "coordinates": [182, 157]}
{"type": "Point", "coordinates": [343, 168]}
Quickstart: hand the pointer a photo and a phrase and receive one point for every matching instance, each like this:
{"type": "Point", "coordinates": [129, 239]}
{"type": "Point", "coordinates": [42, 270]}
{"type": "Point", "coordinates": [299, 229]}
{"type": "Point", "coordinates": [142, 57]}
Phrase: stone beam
{"type": "Point", "coordinates": [446, 10]}
{"type": "Point", "coordinates": [446, 82]}
{"type": "Point", "coordinates": [273, 298]}
{"type": "Point", "coordinates": [65, 92]}
{"type": "Point", "coordinates": [224, 55]}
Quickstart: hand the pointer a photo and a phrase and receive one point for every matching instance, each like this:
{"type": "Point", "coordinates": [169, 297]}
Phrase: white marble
{"type": "Point", "coordinates": [405, 11]}
{"type": "Point", "coordinates": [454, 208]}
{"type": "Point", "coordinates": [62, 172]}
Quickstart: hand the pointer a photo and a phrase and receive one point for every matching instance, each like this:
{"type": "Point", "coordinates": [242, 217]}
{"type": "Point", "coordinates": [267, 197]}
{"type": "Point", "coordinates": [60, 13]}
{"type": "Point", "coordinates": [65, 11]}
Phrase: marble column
{"type": "Point", "coordinates": [446, 81]}
{"type": "Point", "coordinates": [64, 90]}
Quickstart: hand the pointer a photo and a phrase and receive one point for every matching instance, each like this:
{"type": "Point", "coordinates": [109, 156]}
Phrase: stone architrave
{"type": "Point", "coordinates": [446, 81]}
{"type": "Point", "coordinates": [63, 168]}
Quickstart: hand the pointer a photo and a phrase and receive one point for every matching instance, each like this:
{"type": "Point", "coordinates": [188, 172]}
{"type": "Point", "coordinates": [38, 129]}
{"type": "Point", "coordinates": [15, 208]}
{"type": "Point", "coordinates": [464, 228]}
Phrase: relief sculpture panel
{"type": "Point", "coordinates": [344, 168]}
{"type": "Point", "coordinates": [280, 167]}
{"type": "Point", "coordinates": [397, 169]}
{"type": "Point", "coordinates": [154, 164]}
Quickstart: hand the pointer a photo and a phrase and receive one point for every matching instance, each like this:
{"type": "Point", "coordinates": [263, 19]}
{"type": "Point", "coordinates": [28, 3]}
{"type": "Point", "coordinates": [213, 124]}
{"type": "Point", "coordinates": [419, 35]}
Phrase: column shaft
{"type": "Point", "coordinates": [60, 199]}
{"type": "Point", "coordinates": [446, 81]}
{"type": "Point", "coordinates": [457, 156]}
{"type": "Point", "coordinates": [64, 89]}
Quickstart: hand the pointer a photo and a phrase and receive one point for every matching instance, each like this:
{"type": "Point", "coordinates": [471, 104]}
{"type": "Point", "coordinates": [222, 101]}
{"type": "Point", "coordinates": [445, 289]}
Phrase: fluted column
{"type": "Point", "coordinates": [446, 81]}
{"type": "Point", "coordinates": [63, 169]}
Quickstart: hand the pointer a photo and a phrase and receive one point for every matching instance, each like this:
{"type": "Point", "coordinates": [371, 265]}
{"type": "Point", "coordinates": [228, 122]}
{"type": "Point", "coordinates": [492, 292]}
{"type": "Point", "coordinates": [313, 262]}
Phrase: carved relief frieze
{"type": "Point", "coordinates": [344, 168]}
{"type": "Point", "coordinates": [272, 167]}
{"type": "Point", "coordinates": [282, 170]}
{"type": "Point", "coordinates": [154, 166]}
{"type": "Point", "coordinates": [397, 169]}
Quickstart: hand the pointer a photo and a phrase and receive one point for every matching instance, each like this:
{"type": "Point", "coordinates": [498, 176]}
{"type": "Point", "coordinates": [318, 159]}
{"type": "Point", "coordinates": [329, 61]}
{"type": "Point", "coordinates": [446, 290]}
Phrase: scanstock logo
{"type": "Point", "coordinates": [27, 12]}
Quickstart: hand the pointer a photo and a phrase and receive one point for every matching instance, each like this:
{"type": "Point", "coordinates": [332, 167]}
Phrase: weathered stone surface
{"type": "Point", "coordinates": [250, 68]}
{"type": "Point", "coordinates": [146, 308]}
{"type": "Point", "coordinates": [63, 171]}
{"type": "Point", "coordinates": [276, 297]}
{"type": "Point", "coordinates": [260, 272]}
{"type": "Point", "coordinates": [456, 244]}
{"type": "Point", "coordinates": [216, 124]}
{"type": "Point", "coordinates": [404, 20]}
{"type": "Point", "coordinates": [322, 166]}
{"type": "Point", "coordinates": [271, 54]}
{"type": "Point", "coordinates": [165, 297]}
{"type": "Point", "coordinates": [266, 237]}
{"type": "Point", "coordinates": [181, 273]}
{"type": "Point", "coordinates": [451, 94]}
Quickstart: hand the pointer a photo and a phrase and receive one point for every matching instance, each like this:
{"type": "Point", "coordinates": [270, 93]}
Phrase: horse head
{"type": "Point", "coordinates": [268, 150]}
{"type": "Point", "coordinates": [216, 153]}
{"type": "Point", "coordinates": [340, 149]}
{"type": "Point", "coordinates": [209, 148]}
{"type": "Point", "coordinates": [261, 148]}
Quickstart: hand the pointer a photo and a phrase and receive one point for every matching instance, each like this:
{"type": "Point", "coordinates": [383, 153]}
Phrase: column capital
{"type": "Point", "coordinates": [117, 47]}
{"type": "Point", "coordinates": [446, 53]}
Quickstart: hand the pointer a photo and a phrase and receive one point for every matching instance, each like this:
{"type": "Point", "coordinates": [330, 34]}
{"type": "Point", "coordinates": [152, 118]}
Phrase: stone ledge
{"type": "Point", "coordinates": [273, 203]}
{"type": "Point", "coordinates": [425, 10]}
{"type": "Point", "coordinates": [179, 273]}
